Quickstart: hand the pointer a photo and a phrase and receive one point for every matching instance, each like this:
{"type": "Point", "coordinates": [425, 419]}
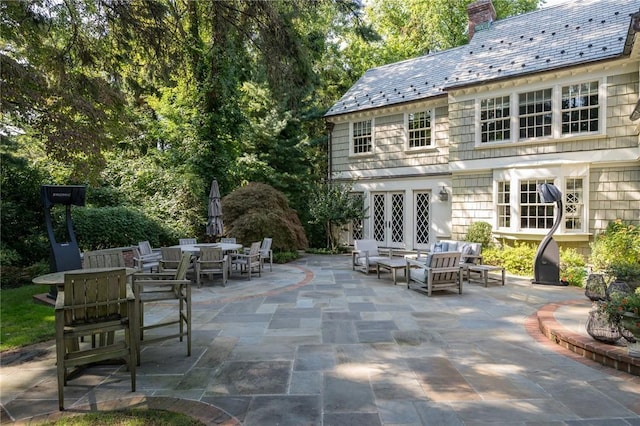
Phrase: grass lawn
{"type": "Point", "coordinates": [24, 322]}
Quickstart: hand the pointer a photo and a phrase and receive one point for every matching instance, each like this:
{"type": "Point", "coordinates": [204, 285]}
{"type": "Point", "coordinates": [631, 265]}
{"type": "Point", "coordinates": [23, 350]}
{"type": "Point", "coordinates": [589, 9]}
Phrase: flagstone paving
{"type": "Point", "coordinates": [315, 343]}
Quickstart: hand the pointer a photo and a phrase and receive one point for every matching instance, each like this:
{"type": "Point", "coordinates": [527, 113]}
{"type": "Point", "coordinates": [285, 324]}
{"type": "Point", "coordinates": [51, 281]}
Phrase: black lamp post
{"type": "Point", "coordinates": [547, 262]}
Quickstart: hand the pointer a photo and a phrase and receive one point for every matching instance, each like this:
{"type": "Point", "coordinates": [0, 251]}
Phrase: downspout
{"type": "Point", "coordinates": [329, 127]}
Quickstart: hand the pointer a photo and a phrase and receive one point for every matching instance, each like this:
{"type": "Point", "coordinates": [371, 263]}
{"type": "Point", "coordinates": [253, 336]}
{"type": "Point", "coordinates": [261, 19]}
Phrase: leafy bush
{"type": "Point", "coordinates": [616, 251]}
{"type": "Point", "coordinates": [519, 258]}
{"type": "Point", "coordinates": [516, 259]}
{"type": "Point", "coordinates": [258, 210]}
{"type": "Point", "coordinates": [104, 227]}
{"type": "Point", "coordinates": [480, 232]}
{"type": "Point", "coordinates": [285, 256]}
{"type": "Point", "coordinates": [572, 267]}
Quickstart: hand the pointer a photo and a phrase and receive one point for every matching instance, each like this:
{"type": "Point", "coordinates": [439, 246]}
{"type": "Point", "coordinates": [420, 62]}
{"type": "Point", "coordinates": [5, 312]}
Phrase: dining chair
{"type": "Point", "coordinates": [187, 241]}
{"type": "Point", "coordinates": [266, 253]}
{"type": "Point", "coordinates": [228, 240]}
{"type": "Point", "coordinates": [145, 263]}
{"type": "Point", "coordinates": [211, 261]}
{"type": "Point", "coordinates": [94, 303]}
{"type": "Point", "coordinates": [103, 259]}
{"type": "Point", "coordinates": [170, 258]}
{"type": "Point", "coordinates": [248, 261]}
{"type": "Point", "coordinates": [165, 287]}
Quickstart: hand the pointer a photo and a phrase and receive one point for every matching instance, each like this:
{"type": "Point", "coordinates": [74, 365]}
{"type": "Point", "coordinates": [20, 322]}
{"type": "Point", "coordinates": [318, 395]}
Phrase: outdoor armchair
{"type": "Point", "coordinates": [94, 303]}
{"type": "Point", "coordinates": [365, 255]}
{"type": "Point", "coordinates": [211, 261]}
{"type": "Point", "coordinates": [248, 261]}
{"type": "Point", "coordinates": [435, 271]}
{"type": "Point", "coordinates": [165, 287]}
{"type": "Point", "coordinates": [266, 253]}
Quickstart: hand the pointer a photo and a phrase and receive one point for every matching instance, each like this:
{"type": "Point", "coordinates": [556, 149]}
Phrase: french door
{"type": "Point", "coordinates": [421, 220]}
{"type": "Point", "coordinates": [388, 218]}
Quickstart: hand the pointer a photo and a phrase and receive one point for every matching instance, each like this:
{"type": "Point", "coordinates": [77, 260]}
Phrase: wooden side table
{"type": "Point", "coordinates": [392, 264]}
{"type": "Point", "coordinates": [484, 277]}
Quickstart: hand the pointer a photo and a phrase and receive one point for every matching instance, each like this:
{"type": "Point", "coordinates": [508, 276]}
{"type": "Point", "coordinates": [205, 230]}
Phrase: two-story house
{"type": "Point", "coordinates": [435, 143]}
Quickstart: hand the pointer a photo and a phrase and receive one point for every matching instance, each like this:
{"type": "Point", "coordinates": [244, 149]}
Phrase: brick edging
{"type": "Point", "coordinates": [543, 326]}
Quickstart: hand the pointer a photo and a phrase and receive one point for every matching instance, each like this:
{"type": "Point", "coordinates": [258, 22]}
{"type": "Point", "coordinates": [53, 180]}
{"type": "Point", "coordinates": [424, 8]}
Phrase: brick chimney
{"type": "Point", "coordinates": [481, 14]}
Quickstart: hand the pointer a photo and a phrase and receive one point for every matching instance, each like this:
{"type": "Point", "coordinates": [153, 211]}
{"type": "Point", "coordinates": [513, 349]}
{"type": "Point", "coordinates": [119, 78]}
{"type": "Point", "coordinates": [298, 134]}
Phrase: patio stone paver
{"type": "Point", "coordinates": [316, 343]}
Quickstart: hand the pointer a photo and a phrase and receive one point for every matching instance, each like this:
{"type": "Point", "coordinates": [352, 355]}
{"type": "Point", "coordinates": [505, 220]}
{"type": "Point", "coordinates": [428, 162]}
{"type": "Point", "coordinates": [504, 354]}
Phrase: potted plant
{"type": "Point", "coordinates": [624, 310]}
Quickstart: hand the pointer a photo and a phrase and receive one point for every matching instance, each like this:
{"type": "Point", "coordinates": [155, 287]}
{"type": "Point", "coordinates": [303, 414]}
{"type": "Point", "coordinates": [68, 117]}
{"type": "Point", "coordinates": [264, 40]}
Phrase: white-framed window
{"type": "Point", "coordinates": [362, 137]}
{"type": "Point", "coordinates": [534, 114]}
{"type": "Point", "coordinates": [520, 209]}
{"type": "Point", "coordinates": [559, 111]}
{"type": "Point", "coordinates": [503, 204]}
{"type": "Point", "coordinates": [534, 213]}
{"type": "Point", "coordinates": [495, 119]}
{"type": "Point", "coordinates": [574, 204]}
{"type": "Point", "coordinates": [580, 108]}
{"type": "Point", "coordinates": [419, 125]}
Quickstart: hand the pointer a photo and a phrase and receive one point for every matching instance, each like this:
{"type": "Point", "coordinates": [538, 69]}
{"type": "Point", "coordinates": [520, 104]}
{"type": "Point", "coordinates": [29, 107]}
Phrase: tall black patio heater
{"type": "Point", "coordinates": [546, 267]}
{"type": "Point", "coordinates": [64, 255]}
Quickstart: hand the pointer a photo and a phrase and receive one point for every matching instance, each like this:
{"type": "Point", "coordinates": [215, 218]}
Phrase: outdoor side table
{"type": "Point", "coordinates": [392, 264]}
{"type": "Point", "coordinates": [484, 277]}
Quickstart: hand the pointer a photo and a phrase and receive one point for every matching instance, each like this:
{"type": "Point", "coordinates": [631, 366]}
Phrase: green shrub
{"type": "Point", "coordinates": [285, 256]}
{"type": "Point", "coordinates": [480, 232]}
{"type": "Point", "coordinates": [616, 251]}
{"type": "Point", "coordinates": [572, 267]}
{"type": "Point", "coordinates": [105, 227]}
{"type": "Point", "coordinates": [519, 259]}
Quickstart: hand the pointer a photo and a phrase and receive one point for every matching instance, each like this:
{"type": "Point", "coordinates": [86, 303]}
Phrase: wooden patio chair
{"type": "Point", "coordinates": [365, 255]}
{"type": "Point", "coordinates": [165, 287]}
{"type": "Point", "coordinates": [187, 241]}
{"type": "Point", "coordinates": [94, 303]}
{"type": "Point", "coordinates": [266, 253]}
{"type": "Point", "coordinates": [211, 261]}
{"type": "Point", "coordinates": [110, 258]}
{"type": "Point", "coordinates": [248, 261]}
{"type": "Point", "coordinates": [170, 258]}
{"type": "Point", "coordinates": [436, 271]}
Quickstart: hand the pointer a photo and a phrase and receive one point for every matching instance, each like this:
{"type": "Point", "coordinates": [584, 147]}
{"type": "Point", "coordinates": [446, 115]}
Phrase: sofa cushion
{"type": "Point", "coordinates": [366, 245]}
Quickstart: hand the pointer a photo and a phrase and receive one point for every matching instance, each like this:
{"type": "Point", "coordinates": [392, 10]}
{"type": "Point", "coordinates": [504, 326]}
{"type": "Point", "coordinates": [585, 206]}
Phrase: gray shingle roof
{"type": "Point", "coordinates": [556, 37]}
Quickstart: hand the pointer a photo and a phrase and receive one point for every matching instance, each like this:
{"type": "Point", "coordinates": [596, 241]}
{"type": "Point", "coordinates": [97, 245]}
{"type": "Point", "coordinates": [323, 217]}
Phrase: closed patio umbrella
{"type": "Point", "coordinates": [214, 222]}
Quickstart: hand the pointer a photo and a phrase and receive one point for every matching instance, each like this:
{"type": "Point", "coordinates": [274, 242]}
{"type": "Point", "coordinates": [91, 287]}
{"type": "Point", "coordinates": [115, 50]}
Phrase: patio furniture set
{"type": "Point", "coordinates": [444, 266]}
{"type": "Point", "coordinates": [106, 297]}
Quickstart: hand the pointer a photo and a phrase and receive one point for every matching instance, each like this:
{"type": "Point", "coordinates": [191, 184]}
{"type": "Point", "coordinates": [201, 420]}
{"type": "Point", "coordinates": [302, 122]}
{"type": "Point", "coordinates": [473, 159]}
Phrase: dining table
{"type": "Point", "coordinates": [195, 248]}
{"type": "Point", "coordinates": [56, 279]}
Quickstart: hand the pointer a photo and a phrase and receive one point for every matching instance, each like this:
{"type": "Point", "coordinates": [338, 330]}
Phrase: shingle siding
{"type": "Point", "coordinates": [615, 194]}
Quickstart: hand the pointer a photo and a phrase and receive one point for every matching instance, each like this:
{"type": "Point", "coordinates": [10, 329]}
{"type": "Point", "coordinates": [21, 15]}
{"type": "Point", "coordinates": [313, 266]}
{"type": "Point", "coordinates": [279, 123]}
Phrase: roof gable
{"type": "Point", "coordinates": [557, 37]}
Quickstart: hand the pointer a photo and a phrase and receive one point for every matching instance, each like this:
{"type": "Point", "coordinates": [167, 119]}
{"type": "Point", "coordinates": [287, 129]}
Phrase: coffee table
{"type": "Point", "coordinates": [484, 277]}
{"type": "Point", "coordinates": [392, 264]}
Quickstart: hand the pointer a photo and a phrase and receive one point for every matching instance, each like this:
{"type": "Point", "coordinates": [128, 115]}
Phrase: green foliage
{"type": "Point", "coordinates": [258, 210]}
{"type": "Point", "coordinates": [105, 227]}
{"type": "Point", "coordinates": [22, 214]}
{"type": "Point", "coordinates": [130, 417]}
{"type": "Point", "coordinates": [480, 232]}
{"type": "Point", "coordinates": [616, 251]}
{"type": "Point", "coordinates": [285, 256]}
{"type": "Point", "coordinates": [516, 259]}
{"type": "Point", "coordinates": [572, 267]}
{"type": "Point", "coordinates": [618, 304]}
{"type": "Point", "coordinates": [24, 322]}
{"type": "Point", "coordinates": [334, 206]}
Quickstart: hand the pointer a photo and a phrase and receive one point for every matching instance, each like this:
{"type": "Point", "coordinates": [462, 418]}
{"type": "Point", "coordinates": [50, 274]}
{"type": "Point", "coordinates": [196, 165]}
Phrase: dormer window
{"type": "Point", "coordinates": [362, 137]}
{"type": "Point", "coordinates": [560, 111]}
{"type": "Point", "coordinates": [419, 129]}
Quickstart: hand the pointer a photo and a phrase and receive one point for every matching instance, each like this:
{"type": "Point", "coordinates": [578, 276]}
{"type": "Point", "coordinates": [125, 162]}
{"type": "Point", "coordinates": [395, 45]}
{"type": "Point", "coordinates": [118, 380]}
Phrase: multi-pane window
{"type": "Point", "coordinates": [580, 108]}
{"type": "Point", "coordinates": [362, 136]}
{"type": "Point", "coordinates": [534, 213]}
{"type": "Point", "coordinates": [504, 205]}
{"type": "Point", "coordinates": [419, 125]}
{"type": "Point", "coordinates": [574, 206]}
{"type": "Point", "coordinates": [535, 115]}
{"type": "Point", "coordinates": [495, 120]}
